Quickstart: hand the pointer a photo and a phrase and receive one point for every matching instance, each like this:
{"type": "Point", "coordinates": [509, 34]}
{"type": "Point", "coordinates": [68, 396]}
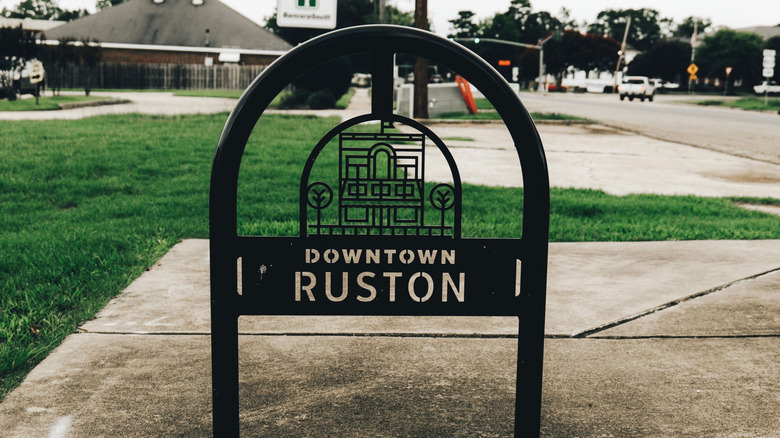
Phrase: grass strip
{"type": "Point", "coordinates": [89, 204]}
{"type": "Point", "coordinates": [746, 103]}
{"type": "Point", "coordinates": [44, 103]}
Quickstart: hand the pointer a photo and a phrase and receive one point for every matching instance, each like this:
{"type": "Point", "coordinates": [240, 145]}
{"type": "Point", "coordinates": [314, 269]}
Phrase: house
{"type": "Point", "coordinates": [182, 32]}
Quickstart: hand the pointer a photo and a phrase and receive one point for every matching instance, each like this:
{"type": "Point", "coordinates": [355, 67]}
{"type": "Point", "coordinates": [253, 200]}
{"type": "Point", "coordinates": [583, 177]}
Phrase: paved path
{"type": "Point", "coordinates": [741, 133]}
{"type": "Point", "coordinates": [664, 339]}
{"type": "Point", "coordinates": [579, 156]}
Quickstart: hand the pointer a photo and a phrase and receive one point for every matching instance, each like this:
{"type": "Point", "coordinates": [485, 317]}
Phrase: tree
{"type": "Point", "coordinates": [464, 26]}
{"type": "Point", "coordinates": [105, 4]}
{"type": "Point", "coordinates": [645, 29]}
{"type": "Point", "coordinates": [728, 48]}
{"type": "Point", "coordinates": [685, 29]}
{"type": "Point", "coordinates": [43, 10]}
{"type": "Point", "coordinates": [17, 47]}
{"type": "Point", "coordinates": [582, 51]}
{"type": "Point", "coordinates": [667, 60]}
{"type": "Point", "coordinates": [774, 44]}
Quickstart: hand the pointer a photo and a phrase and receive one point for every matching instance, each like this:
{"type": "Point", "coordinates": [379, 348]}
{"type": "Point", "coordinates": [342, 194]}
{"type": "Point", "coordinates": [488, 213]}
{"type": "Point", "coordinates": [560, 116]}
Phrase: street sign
{"type": "Point", "coordinates": [692, 69]}
{"type": "Point", "coordinates": [692, 77]}
{"type": "Point", "coordinates": [768, 63]}
{"type": "Point", "coordinates": [728, 71]}
{"type": "Point", "coordinates": [316, 14]}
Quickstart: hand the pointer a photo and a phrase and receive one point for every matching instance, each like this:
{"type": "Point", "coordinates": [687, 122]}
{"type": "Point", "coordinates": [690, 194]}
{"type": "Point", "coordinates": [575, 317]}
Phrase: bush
{"type": "Point", "coordinates": [321, 100]}
{"type": "Point", "coordinates": [296, 99]}
{"type": "Point", "coordinates": [335, 75]}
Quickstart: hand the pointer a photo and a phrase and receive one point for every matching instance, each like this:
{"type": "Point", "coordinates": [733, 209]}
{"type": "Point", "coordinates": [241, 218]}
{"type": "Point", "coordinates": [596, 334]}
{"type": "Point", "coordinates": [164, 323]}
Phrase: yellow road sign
{"type": "Point", "coordinates": [692, 69]}
{"type": "Point", "coordinates": [692, 77]}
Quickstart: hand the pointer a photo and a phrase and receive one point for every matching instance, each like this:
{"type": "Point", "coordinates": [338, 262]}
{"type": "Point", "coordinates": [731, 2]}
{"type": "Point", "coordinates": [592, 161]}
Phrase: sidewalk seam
{"type": "Point", "coordinates": [620, 321]}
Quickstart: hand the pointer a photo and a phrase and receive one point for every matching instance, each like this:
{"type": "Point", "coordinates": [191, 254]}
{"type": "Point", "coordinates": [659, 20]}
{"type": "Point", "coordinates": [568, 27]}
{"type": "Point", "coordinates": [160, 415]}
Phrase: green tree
{"type": "Point", "coordinates": [728, 48]}
{"type": "Point", "coordinates": [644, 31]}
{"type": "Point", "coordinates": [17, 46]}
{"type": "Point", "coordinates": [105, 4]}
{"type": "Point", "coordinates": [43, 10]}
{"type": "Point", "coordinates": [464, 26]}
{"type": "Point", "coordinates": [686, 27]}
{"type": "Point", "coordinates": [667, 60]}
{"type": "Point", "coordinates": [774, 44]}
{"type": "Point", "coordinates": [581, 51]}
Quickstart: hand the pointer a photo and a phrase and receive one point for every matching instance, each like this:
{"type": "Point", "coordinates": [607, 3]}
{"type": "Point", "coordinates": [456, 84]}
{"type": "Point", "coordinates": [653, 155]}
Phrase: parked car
{"type": "Point", "coordinates": [770, 88]}
{"type": "Point", "coordinates": [636, 86]}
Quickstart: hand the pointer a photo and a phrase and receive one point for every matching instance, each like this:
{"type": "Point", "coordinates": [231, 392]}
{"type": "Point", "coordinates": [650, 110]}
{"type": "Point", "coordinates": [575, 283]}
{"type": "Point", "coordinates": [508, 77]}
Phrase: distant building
{"type": "Point", "coordinates": [765, 32]}
{"type": "Point", "coordinates": [174, 32]}
{"type": "Point", "coordinates": [31, 25]}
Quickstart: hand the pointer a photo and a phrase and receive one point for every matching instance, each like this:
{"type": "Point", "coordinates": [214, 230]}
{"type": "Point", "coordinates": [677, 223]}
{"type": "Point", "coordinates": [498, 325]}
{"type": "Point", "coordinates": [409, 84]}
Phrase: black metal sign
{"type": "Point", "coordinates": [376, 238]}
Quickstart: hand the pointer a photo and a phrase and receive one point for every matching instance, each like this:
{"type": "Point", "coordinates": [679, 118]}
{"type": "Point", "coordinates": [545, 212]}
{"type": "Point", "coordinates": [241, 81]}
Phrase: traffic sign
{"type": "Point", "coordinates": [692, 77]}
{"type": "Point", "coordinates": [692, 69]}
{"type": "Point", "coordinates": [768, 63]}
{"type": "Point", "coordinates": [317, 14]}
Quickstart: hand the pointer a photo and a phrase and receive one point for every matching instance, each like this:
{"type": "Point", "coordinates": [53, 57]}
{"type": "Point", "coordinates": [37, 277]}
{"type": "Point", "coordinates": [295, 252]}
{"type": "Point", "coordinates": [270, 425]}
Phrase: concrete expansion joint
{"type": "Point", "coordinates": [590, 332]}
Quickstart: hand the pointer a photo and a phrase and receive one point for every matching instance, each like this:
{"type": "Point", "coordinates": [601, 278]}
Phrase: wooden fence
{"type": "Point", "coordinates": [159, 76]}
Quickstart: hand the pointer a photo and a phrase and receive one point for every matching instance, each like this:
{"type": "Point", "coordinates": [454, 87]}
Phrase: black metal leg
{"type": "Point", "coordinates": [224, 374]}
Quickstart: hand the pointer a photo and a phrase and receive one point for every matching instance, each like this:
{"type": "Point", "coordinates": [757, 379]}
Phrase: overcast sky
{"type": "Point", "coordinates": [729, 13]}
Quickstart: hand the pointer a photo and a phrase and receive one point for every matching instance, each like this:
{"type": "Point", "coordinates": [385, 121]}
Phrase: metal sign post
{"type": "Point", "coordinates": [375, 238]}
{"type": "Point", "coordinates": [768, 71]}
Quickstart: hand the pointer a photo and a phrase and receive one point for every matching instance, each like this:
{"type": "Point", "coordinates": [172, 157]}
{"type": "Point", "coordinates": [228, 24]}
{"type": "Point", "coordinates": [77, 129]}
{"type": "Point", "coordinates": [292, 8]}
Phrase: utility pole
{"type": "Point", "coordinates": [621, 53]}
{"type": "Point", "coordinates": [421, 65]}
{"type": "Point", "coordinates": [691, 83]}
{"type": "Point", "coordinates": [382, 11]}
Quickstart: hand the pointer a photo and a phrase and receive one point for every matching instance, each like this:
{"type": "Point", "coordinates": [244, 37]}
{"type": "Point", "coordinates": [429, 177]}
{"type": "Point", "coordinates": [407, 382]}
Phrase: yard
{"type": "Point", "coordinates": [88, 205]}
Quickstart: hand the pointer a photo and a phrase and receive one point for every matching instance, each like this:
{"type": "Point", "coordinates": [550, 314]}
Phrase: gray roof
{"type": "Point", "coordinates": [764, 32]}
{"type": "Point", "coordinates": [172, 23]}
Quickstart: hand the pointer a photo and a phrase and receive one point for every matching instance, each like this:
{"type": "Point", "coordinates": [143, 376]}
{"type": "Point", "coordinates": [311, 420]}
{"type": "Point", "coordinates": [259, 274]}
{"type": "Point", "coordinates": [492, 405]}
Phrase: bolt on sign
{"type": "Point", "coordinates": [376, 237]}
{"type": "Point", "coordinates": [317, 14]}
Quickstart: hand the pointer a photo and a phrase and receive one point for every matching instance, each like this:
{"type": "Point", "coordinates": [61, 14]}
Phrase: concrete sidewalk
{"type": "Point", "coordinates": [665, 339]}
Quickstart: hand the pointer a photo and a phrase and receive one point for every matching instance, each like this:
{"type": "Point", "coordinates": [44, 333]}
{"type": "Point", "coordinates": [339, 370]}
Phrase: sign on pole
{"type": "Point", "coordinates": [692, 69]}
{"type": "Point", "coordinates": [769, 63]}
{"type": "Point", "coordinates": [316, 14]}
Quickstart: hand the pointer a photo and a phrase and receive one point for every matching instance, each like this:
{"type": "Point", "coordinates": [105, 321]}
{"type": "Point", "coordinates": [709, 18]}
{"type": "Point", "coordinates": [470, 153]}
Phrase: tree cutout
{"type": "Point", "coordinates": [443, 198]}
{"type": "Point", "coordinates": [320, 195]}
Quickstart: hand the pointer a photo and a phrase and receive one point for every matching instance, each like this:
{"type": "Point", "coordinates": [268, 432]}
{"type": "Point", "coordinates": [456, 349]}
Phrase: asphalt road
{"type": "Point", "coordinates": [747, 134]}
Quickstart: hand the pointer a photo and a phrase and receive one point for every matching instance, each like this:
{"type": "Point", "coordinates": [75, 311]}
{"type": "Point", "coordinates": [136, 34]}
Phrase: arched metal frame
{"type": "Point", "coordinates": [382, 42]}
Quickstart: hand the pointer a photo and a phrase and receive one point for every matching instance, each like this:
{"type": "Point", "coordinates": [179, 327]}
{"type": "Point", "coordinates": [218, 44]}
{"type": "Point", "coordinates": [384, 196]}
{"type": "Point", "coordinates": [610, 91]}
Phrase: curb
{"type": "Point", "coordinates": [74, 105]}
{"type": "Point", "coordinates": [501, 122]}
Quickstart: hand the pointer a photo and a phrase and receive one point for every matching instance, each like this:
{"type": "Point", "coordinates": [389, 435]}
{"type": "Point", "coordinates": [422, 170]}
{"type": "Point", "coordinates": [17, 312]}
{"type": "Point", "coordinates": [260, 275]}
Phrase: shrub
{"type": "Point", "coordinates": [321, 100]}
{"type": "Point", "coordinates": [334, 75]}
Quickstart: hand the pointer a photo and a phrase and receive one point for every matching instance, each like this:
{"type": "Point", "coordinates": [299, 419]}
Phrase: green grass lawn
{"type": "Point", "coordinates": [747, 103]}
{"type": "Point", "coordinates": [235, 94]}
{"type": "Point", "coordinates": [44, 102]}
{"type": "Point", "coordinates": [88, 205]}
{"type": "Point", "coordinates": [486, 111]}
